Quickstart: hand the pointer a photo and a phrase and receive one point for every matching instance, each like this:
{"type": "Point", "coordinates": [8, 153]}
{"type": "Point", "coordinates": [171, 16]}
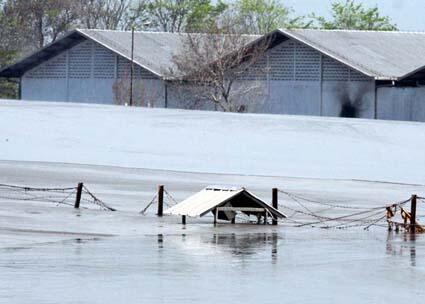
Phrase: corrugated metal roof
{"type": "Point", "coordinates": [211, 197]}
{"type": "Point", "coordinates": [152, 50]}
{"type": "Point", "coordinates": [382, 55]}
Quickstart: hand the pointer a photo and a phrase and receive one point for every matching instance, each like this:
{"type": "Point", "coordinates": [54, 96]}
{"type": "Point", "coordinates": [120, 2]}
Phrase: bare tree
{"type": "Point", "coordinates": [145, 92]}
{"type": "Point", "coordinates": [223, 68]}
{"type": "Point", "coordinates": [112, 14]}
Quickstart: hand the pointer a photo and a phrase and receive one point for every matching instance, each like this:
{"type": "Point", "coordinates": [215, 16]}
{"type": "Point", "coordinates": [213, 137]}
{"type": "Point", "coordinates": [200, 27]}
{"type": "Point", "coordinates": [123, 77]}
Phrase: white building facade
{"type": "Point", "coordinates": [345, 78]}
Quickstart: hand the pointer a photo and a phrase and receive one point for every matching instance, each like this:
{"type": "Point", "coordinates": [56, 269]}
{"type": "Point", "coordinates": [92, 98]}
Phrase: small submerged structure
{"type": "Point", "coordinates": [224, 203]}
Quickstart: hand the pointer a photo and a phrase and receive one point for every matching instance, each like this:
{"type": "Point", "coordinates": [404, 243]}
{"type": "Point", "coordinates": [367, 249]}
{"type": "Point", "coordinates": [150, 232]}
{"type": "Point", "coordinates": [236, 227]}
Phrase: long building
{"type": "Point", "coordinates": [363, 74]}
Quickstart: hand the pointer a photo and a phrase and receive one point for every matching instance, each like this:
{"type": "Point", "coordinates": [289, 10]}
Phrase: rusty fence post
{"type": "Point", "coordinates": [78, 196]}
{"type": "Point", "coordinates": [160, 200]}
{"type": "Point", "coordinates": [275, 203]}
{"type": "Point", "coordinates": [413, 213]}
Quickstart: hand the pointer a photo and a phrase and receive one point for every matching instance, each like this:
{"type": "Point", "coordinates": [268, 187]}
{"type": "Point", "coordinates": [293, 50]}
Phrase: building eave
{"type": "Point", "coordinates": [19, 68]}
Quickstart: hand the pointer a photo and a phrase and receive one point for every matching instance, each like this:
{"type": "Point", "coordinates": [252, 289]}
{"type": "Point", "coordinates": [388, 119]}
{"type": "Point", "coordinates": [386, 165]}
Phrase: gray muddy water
{"type": "Point", "coordinates": [287, 266]}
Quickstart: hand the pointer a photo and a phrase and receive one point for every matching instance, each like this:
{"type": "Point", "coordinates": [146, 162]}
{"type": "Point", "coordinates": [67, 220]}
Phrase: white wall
{"type": "Point", "coordinates": [299, 81]}
{"type": "Point", "coordinates": [87, 73]}
{"type": "Point", "coordinates": [35, 89]}
{"type": "Point", "coordinates": [401, 103]}
{"type": "Point", "coordinates": [360, 93]}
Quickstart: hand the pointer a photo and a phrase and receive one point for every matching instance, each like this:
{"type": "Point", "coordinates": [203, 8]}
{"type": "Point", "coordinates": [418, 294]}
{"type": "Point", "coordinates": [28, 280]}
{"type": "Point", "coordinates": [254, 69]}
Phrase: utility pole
{"type": "Point", "coordinates": [132, 66]}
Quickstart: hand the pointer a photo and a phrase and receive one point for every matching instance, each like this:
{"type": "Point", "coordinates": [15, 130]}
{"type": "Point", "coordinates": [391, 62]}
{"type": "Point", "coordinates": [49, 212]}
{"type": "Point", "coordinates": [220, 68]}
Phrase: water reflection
{"type": "Point", "coordinates": [160, 241]}
{"type": "Point", "coordinates": [247, 244]}
{"type": "Point", "coordinates": [242, 246]}
{"type": "Point", "coordinates": [406, 246]}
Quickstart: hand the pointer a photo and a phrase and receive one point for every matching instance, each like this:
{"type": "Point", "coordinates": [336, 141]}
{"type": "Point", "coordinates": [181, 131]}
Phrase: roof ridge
{"type": "Point", "coordinates": [354, 31]}
{"type": "Point", "coordinates": [155, 32]}
{"type": "Point", "coordinates": [127, 31]}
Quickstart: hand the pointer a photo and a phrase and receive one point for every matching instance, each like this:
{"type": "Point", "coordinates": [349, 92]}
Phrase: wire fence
{"type": "Point", "coordinates": [305, 211]}
{"type": "Point", "coordinates": [59, 196]}
{"type": "Point", "coordinates": [168, 201]}
{"type": "Point", "coordinates": [301, 210]}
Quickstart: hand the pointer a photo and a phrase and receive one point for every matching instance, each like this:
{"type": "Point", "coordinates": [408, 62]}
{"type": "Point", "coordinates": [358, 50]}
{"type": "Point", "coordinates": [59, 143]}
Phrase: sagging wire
{"type": "Point", "coordinates": [58, 196]}
{"type": "Point", "coordinates": [154, 200]}
{"type": "Point", "coordinates": [97, 201]}
{"type": "Point", "coordinates": [368, 214]}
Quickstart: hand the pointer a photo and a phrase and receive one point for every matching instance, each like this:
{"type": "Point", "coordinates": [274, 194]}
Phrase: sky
{"type": "Point", "coordinates": [407, 14]}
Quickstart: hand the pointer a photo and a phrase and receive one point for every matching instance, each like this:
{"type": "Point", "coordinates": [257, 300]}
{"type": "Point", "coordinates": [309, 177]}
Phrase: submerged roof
{"type": "Point", "coordinates": [379, 54]}
{"type": "Point", "coordinates": [209, 198]}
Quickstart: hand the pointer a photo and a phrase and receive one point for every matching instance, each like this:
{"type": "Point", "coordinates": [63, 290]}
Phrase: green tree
{"type": "Point", "coordinates": [182, 15]}
{"type": "Point", "coordinates": [8, 87]}
{"type": "Point", "coordinates": [263, 16]}
{"type": "Point", "coordinates": [9, 46]}
{"type": "Point", "coordinates": [351, 15]}
{"type": "Point", "coordinates": [203, 15]}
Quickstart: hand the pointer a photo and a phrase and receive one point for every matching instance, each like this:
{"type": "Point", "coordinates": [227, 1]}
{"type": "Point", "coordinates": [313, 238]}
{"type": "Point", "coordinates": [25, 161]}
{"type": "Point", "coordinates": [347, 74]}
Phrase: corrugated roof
{"type": "Point", "coordinates": [152, 50]}
{"type": "Point", "coordinates": [211, 197]}
{"type": "Point", "coordinates": [382, 55]}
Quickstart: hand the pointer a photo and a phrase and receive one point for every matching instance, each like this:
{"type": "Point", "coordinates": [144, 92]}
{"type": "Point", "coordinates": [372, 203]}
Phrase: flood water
{"type": "Point", "coordinates": [287, 266]}
{"type": "Point", "coordinates": [48, 256]}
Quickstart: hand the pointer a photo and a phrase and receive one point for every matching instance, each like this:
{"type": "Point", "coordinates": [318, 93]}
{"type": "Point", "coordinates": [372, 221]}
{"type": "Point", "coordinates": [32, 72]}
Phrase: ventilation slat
{"type": "Point", "coordinates": [54, 68]}
{"type": "Point", "coordinates": [307, 62]}
{"type": "Point", "coordinates": [104, 63]}
{"type": "Point", "coordinates": [357, 76]}
{"type": "Point", "coordinates": [124, 70]}
{"type": "Point", "coordinates": [80, 60]}
{"type": "Point", "coordinates": [333, 70]}
{"type": "Point", "coordinates": [282, 61]}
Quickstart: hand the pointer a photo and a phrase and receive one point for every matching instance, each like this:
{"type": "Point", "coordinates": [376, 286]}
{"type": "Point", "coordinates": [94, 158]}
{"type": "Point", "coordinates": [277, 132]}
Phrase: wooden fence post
{"type": "Point", "coordinates": [275, 203]}
{"type": "Point", "coordinates": [78, 196]}
{"type": "Point", "coordinates": [413, 214]}
{"type": "Point", "coordinates": [160, 200]}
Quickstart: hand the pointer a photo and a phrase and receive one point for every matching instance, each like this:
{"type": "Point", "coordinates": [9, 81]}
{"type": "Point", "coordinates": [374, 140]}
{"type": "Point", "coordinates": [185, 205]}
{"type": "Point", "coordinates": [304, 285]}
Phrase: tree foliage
{"type": "Point", "coordinates": [182, 15]}
{"type": "Point", "coordinates": [263, 16]}
{"type": "Point", "coordinates": [352, 15]}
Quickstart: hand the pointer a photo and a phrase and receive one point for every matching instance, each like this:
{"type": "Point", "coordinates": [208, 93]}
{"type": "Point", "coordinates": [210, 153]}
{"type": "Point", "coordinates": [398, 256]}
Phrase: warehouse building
{"type": "Point", "coordinates": [309, 72]}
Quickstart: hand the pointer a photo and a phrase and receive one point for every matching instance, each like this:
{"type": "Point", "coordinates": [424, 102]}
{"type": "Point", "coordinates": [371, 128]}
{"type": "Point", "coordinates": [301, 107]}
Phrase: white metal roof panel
{"type": "Point", "coordinates": [202, 202]}
{"type": "Point", "coordinates": [207, 199]}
